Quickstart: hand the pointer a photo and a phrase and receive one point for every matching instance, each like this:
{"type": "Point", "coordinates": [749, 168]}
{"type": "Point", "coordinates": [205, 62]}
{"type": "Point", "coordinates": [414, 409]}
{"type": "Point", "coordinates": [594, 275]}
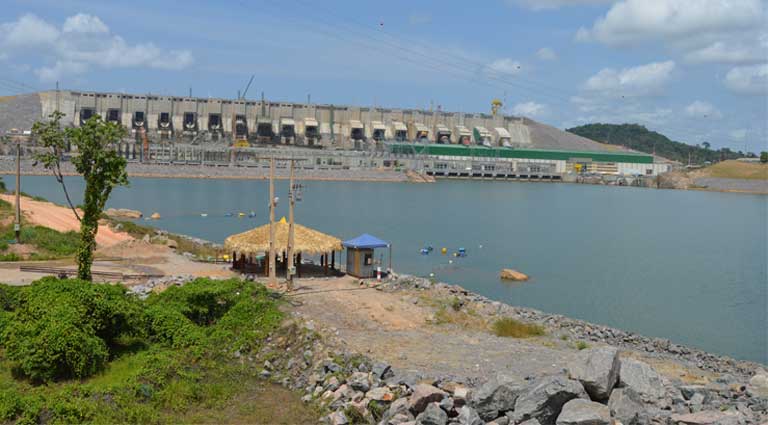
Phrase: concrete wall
{"type": "Point", "coordinates": [334, 119]}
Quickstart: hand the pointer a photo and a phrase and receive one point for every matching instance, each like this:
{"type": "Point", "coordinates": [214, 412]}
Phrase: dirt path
{"type": "Point", "coordinates": [390, 327]}
{"type": "Point", "coordinates": [62, 219]}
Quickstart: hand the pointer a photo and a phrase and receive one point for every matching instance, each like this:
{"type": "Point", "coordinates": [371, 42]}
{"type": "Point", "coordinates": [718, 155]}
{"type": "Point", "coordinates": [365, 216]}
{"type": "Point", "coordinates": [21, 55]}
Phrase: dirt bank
{"type": "Point", "coordinates": [62, 219]}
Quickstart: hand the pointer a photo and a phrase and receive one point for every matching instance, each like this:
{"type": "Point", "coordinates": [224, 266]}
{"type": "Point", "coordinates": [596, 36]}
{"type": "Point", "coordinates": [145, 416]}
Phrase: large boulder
{"type": "Point", "coordinates": [758, 385]}
{"type": "Point", "coordinates": [544, 399]}
{"type": "Point", "coordinates": [511, 274]}
{"type": "Point", "coordinates": [397, 411]}
{"type": "Point", "coordinates": [422, 395]}
{"type": "Point", "coordinates": [359, 381]}
{"type": "Point", "coordinates": [584, 412]}
{"type": "Point", "coordinates": [626, 406]}
{"type": "Point", "coordinates": [469, 416]}
{"type": "Point", "coordinates": [495, 397]}
{"type": "Point", "coordinates": [597, 370]}
{"type": "Point", "coordinates": [641, 378]}
{"type": "Point", "coordinates": [432, 415]}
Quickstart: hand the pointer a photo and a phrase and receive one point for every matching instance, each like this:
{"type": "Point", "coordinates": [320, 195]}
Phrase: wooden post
{"type": "Point", "coordinates": [266, 266]}
{"type": "Point", "coordinates": [272, 276]}
{"type": "Point", "coordinates": [325, 266]}
{"type": "Point", "coordinates": [298, 265]}
{"type": "Point", "coordinates": [333, 260]}
{"type": "Point", "coordinates": [17, 224]}
{"type": "Point", "coordinates": [291, 201]}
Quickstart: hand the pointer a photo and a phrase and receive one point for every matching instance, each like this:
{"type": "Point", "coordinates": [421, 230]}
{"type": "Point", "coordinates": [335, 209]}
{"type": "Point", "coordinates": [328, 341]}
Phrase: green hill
{"type": "Point", "coordinates": [639, 138]}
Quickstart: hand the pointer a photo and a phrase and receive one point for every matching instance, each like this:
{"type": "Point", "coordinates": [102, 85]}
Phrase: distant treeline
{"type": "Point", "coordinates": [639, 138]}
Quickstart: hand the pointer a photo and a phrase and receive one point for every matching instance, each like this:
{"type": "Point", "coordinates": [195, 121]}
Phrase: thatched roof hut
{"type": "Point", "coordinates": [306, 240]}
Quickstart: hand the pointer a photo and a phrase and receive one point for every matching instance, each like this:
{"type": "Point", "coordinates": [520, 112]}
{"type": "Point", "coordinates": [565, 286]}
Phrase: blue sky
{"type": "Point", "coordinates": [696, 70]}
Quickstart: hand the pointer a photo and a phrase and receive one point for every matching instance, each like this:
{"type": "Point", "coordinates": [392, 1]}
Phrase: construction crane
{"type": "Point", "coordinates": [240, 143]}
{"type": "Point", "coordinates": [496, 105]}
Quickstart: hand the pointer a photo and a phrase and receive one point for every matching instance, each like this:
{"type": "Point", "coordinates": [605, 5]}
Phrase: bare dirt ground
{"type": "Point", "coordinates": [131, 257]}
{"type": "Point", "coordinates": [62, 219]}
{"type": "Point", "coordinates": [401, 328]}
{"type": "Point", "coordinates": [390, 327]}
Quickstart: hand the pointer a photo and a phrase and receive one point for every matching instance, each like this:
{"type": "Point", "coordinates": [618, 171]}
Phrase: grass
{"type": "Point", "coordinates": [139, 231]}
{"type": "Point", "coordinates": [50, 243]}
{"type": "Point", "coordinates": [736, 170]}
{"type": "Point", "coordinates": [508, 327]}
{"type": "Point", "coordinates": [581, 345]}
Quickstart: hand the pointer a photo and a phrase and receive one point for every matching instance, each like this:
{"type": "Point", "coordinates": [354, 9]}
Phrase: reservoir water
{"type": "Point", "coordinates": [685, 265]}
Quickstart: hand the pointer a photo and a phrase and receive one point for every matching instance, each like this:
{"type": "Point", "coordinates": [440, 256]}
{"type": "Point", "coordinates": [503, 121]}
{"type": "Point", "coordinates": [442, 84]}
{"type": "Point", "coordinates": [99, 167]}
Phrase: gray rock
{"type": "Point", "coordinates": [399, 419]}
{"type": "Point", "coordinates": [382, 370]}
{"type": "Point", "coordinates": [469, 416]}
{"type": "Point", "coordinates": [584, 412]}
{"type": "Point", "coordinates": [398, 407]}
{"type": "Point", "coordinates": [758, 385]}
{"type": "Point", "coordinates": [332, 383]}
{"type": "Point", "coordinates": [332, 367]}
{"type": "Point", "coordinates": [338, 418]}
{"type": "Point", "coordinates": [597, 370]}
{"type": "Point", "coordinates": [641, 378]}
{"type": "Point", "coordinates": [625, 405]}
{"type": "Point", "coordinates": [495, 397]}
{"type": "Point", "coordinates": [432, 415]}
{"type": "Point", "coordinates": [422, 395]}
{"type": "Point", "coordinates": [447, 404]}
{"type": "Point", "coordinates": [544, 398]}
{"type": "Point", "coordinates": [359, 381]}
{"type": "Point", "coordinates": [531, 422]}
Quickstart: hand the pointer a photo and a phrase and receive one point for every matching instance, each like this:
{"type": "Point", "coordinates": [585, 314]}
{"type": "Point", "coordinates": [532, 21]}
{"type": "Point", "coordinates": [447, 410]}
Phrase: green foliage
{"type": "Point", "coordinates": [10, 257]}
{"type": "Point", "coordinates": [3, 245]}
{"type": "Point", "coordinates": [639, 138]}
{"type": "Point", "coordinates": [64, 328]}
{"type": "Point", "coordinates": [5, 205]}
{"type": "Point", "coordinates": [149, 361]}
{"type": "Point", "coordinates": [763, 157]}
{"type": "Point", "coordinates": [33, 197]}
{"type": "Point", "coordinates": [3, 189]}
{"type": "Point", "coordinates": [508, 327]}
{"type": "Point", "coordinates": [581, 345]}
{"type": "Point", "coordinates": [100, 165]}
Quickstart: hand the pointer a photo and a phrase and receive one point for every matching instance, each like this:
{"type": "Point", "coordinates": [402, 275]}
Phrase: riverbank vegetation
{"type": "Point", "coordinates": [735, 170]}
{"type": "Point", "coordinates": [75, 352]}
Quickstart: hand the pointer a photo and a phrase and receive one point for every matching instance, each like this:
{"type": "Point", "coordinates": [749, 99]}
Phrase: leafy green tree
{"type": "Point", "coordinates": [706, 145]}
{"type": "Point", "coordinates": [763, 157]}
{"type": "Point", "coordinates": [99, 164]}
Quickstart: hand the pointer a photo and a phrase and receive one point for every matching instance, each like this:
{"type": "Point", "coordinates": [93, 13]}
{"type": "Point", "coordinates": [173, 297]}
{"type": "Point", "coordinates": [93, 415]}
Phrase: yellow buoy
{"type": "Point", "coordinates": [443, 251]}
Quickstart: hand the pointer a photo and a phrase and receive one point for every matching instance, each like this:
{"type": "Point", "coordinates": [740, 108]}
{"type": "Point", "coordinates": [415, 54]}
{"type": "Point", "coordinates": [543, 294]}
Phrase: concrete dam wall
{"type": "Point", "coordinates": [174, 117]}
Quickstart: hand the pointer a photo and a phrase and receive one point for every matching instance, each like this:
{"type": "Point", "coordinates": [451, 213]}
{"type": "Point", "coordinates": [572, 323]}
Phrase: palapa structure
{"type": "Point", "coordinates": [250, 246]}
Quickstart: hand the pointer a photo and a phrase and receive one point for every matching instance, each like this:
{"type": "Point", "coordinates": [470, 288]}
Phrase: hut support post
{"type": "Point", "coordinates": [325, 266]}
{"type": "Point", "coordinates": [333, 260]}
{"type": "Point", "coordinates": [298, 265]}
{"type": "Point", "coordinates": [390, 258]}
{"type": "Point", "coordinates": [266, 266]}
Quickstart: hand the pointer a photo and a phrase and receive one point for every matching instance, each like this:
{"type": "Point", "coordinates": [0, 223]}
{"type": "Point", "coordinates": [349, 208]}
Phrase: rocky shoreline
{"type": "Point", "coordinates": [600, 387]}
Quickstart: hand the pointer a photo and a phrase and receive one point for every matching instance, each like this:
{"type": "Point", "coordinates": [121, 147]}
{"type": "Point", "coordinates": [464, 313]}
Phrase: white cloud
{"type": "Point", "coordinates": [633, 21]}
{"type": "Point", "coordinates": [748, 79]}
{"type": "Point", "coordinates": [739, 134]}
{"type": "Point", "coordinates": [546, 54]}
{"type": "Point", "coordinates": [529, 109]}
{"type": "Point", "coordinates": [83, 23]}
{"type": "Point", "coordinates": [701, 109]}
{"type": "Point", "coordinates": [27, 31]}
{"type": "Point", "coordinates": [83, 42]}
{"type": "Point", "coordinates": [638, 81]}
{"type": "Point", "coordinates": [727, 52]}
{"type": "Point", "coordinates": [505, 66]}
{"type": "Point", "coordinates": [555, 4]}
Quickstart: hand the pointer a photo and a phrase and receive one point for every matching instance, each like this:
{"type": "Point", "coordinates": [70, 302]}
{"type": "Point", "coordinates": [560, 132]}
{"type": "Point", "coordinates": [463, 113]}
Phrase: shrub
{"type": "Point", "coordinates": [581, 345]}
{"type": "Point", "coordinates": [10, 405]}
{"type": "Point", "coordinates": [3, 188]}
{"type": "Point", "coordinates": [10, 257]}
{"type": "Point", "coordinates": [65, 328]}
{"type": "Point", "coordinates": [171, 327]}
{"type": "Point", "coordinates": [4, 205]}
{"type": "Point", "coordinates": [508, 327]}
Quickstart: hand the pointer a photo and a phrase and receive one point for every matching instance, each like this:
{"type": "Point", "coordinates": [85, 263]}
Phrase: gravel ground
{"type": "Point", "coordinates": [736, 185]}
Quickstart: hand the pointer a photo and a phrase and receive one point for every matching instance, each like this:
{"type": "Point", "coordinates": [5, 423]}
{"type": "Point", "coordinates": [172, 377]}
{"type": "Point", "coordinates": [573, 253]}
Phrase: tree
{"type": "Point", "coordinates": [99, 164]}
{"type": "Point", "coordinates": [706, 145]}
{"type": "Point", "coordinates": [763, 157]}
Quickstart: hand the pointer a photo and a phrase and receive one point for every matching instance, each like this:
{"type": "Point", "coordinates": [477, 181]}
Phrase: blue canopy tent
{"type": "Point", "coordinates": [360, 255]}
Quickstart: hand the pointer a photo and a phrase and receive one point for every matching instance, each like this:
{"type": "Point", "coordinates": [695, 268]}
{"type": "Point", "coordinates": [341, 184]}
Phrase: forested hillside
{"type": "Point", "coordinates": [639, 138]}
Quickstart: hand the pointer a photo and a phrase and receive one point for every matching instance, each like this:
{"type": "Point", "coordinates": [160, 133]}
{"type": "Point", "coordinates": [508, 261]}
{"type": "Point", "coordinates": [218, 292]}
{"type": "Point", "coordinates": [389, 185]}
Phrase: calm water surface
{"type": "Point", "coordinates": [685, 265]}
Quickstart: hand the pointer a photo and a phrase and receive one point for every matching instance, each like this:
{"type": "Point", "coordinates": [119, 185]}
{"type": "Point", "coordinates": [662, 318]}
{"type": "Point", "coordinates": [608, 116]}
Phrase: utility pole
{"type": "Point", "coordinates": [272, 277]}
{"type": "Point", "coordinates": [17, 224]}
{"type": "Point", "coordinates": [291, 202]}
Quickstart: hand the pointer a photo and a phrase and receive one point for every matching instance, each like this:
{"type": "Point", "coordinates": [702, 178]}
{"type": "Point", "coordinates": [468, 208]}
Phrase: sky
{"type": "Point", "coordinates": [694, 70]}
